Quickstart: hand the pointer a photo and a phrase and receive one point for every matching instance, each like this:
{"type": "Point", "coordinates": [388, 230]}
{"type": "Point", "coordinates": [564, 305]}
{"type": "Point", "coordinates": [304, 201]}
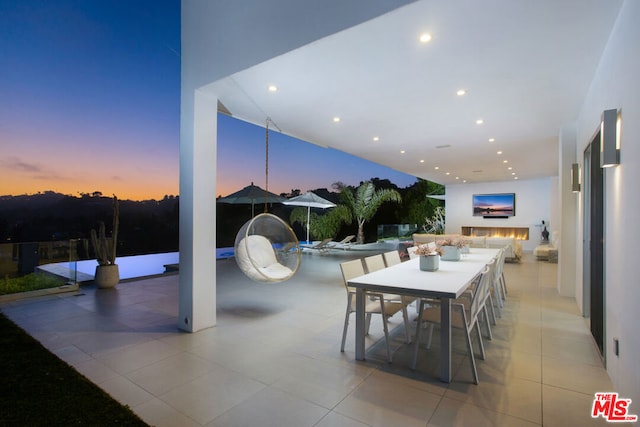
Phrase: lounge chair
{"type": "Point", "coordinates": [323, 247]}
{"type": "Point", "coordinates": [344, 243]}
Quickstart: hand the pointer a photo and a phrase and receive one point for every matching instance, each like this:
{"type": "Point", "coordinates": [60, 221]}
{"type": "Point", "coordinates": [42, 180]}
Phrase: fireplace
{"type": "Point", "coordinates": [519, 233]}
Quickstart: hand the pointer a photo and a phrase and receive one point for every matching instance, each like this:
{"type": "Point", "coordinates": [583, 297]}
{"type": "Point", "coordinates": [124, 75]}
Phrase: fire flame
{"type": "Point", "coordinates": [518, 233]}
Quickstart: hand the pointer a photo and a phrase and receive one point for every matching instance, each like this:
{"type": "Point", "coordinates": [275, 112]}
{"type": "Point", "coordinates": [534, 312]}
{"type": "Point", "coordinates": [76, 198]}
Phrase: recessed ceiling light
{"type": "Point", "coordinates": [421, 161]}
{"type": "Point", "coordinates": [492, 140]}
{"type": "Point", "coordinates": [505, 161]}
{"type": "Point", "coordinates": [499, 152]}
{"type": "Point", "coordinates": [461, 92]}
{"type": "Point", "coordinates": [437, 167]}
{"type": "Point", "coordinates": [336, 119]}
{"type": "Point", "coordinates": [401, 151]}
{"type": "Point", "coordinates": [425, 38]}
{"type": "Point", "coordinates": [447, 173]}
{"type": "Point", "coordinates": [375, 138]}
{"type": "Point", "coordinates": [515, 177]}
{"type": "Point", "coordinates": [464, 180]}
{"type": "Point", "coordinates": [509, 168]}
{"type": "Point", "coordinates": [479, 121]}
{"type": "Point", "coordinates": [457, 177]}
{"type": "Point", "coordinates": [273, 88]}
{"type": "Point", "coordinates": [513, 173]}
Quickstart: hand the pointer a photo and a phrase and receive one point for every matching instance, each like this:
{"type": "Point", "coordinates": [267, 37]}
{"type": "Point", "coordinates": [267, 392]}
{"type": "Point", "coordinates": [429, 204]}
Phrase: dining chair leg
{"type": "Point", "coordinates": [367, 324]}
{"type": "Point", "coordinates": [405, 316]}
{"type": "Point", "coordinates": [480, 342]}
{"type": "Point", "coordinates": [503, 284]}
{"type": "Point", "coordinates": [386, 330]}
{"type": "Point", "coordinates": [416, 338]}
{"type": "Point", "coordinates": [430, 336]}
{"type": "Point", "coordinates": [469, 346]}
{"type": "Point", "coordinates": [493, 310]}
{"type": "Point", "coordinates": [485, 315]}
{"type": "Point", "coordinates": [499, 297]}
{"type": "Point", "coordinates": [346, 326]}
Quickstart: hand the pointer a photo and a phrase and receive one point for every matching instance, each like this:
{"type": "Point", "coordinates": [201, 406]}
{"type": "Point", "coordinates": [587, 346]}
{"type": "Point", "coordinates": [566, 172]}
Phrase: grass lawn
{"type": "Point", "coordinates": [37, 388]}
{"type": "Point", "coordinates": [30, 282]}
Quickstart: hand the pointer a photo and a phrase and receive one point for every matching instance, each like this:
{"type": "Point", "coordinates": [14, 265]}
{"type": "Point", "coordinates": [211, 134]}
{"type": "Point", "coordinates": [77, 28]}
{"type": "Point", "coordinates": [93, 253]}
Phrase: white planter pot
{"type": "Point", "coordinates": [429, 262]}
{"type": "Point", "coordinates": [450, 253]}
{"type": "Point", "coordinates": [107, 276]}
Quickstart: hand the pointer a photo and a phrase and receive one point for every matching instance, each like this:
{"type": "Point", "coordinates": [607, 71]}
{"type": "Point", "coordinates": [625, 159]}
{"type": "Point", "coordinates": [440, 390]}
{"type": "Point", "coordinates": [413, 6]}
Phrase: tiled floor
{"type": "Point", "coordinates": [274, 358]}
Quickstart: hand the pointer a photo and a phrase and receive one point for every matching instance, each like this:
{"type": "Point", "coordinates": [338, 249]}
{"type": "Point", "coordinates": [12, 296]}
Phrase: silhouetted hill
{"type": "Point", "coordinates": [145, 226]}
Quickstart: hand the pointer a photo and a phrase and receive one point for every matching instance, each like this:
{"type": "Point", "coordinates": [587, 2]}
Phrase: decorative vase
{"type": "Point", "coordinates": [107, 276]}
{"type": "Point", "coordinates": [429, 262]}
{"type": "Point", "coordinates": [450, 253]}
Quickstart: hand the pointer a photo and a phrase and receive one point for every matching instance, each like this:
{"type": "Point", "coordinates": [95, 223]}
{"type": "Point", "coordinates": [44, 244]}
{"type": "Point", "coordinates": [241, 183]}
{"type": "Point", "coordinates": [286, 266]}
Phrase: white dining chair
{"type": "Point", "coordinates": [377, 305]}
{"type": "Point", "coordinates": [411, 250]}
{"type": "Point", "coordinates": [375, 263]}
{"type": "Point", "coordinates": [391, 258]}
{"type": "Point", "coordinates": [465, 318]}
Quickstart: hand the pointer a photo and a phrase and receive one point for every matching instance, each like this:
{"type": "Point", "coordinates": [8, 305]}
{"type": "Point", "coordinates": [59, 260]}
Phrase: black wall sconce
{"type": "Point", "coordinates": [610, 138]}
{"type": "Point", "coordinates": [575, 178]}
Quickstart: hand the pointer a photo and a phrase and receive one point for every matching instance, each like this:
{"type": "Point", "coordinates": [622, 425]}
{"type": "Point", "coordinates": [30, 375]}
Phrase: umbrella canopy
{"type": "Point", "coordinates": [310, 200]}
{"type": "Point", "coordinates": [252, 194]}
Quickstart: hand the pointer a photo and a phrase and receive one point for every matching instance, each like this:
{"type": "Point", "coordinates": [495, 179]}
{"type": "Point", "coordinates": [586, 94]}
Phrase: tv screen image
{"type": "Point", "coordinates": [494, 205]}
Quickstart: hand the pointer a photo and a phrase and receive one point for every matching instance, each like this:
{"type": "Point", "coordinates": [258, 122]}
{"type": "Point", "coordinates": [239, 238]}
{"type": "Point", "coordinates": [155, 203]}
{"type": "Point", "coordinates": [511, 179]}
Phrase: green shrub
{"type": "Point", "coordinates": [30, 282]}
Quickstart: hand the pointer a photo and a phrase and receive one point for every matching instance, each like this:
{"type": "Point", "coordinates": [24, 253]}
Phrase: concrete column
{"type": "Point", "coordinates": [198, 144]}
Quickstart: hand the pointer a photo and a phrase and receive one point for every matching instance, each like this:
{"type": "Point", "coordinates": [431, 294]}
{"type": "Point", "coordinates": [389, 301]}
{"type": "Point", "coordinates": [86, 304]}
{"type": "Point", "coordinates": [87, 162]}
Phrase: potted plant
{"type": "Point", "coordinates": [429, 257]}
{"type": "Point", "coordinates": [107, 273]}
{"type": "Point", "coordinates": [452, 247]}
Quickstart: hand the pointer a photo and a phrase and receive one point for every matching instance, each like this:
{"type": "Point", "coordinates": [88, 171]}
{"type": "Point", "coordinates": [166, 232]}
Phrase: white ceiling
{"type": "Point", "coordinates": [526, 65]}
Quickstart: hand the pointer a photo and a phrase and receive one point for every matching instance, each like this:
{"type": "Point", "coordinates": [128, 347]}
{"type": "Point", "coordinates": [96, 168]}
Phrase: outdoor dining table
{"type": "Point", "coordinates": [447, 283]}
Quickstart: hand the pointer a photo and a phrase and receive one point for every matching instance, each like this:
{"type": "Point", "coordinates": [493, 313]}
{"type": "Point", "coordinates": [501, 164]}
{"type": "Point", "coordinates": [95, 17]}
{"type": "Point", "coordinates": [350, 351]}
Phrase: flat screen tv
{"type": "Point", "coordinates": [494, 205]}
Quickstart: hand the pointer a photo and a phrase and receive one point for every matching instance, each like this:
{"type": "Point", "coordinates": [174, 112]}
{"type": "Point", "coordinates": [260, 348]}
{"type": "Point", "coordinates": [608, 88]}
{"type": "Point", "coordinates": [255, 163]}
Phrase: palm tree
{"type": "Point", "coordinates": [365, 202]}
{"type": "Point", "coordinates": [324, 226]}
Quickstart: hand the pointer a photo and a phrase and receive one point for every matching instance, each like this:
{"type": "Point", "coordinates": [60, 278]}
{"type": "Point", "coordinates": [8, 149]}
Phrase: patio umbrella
{"type": "Point", "coordinates": [310, 200]}
{"type": "Point", "coordinates": [252, 194]}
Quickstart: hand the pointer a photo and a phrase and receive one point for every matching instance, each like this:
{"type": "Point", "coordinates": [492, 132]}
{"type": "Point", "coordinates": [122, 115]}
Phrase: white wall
{"type": "Point", "coordinates": [533, 204]}
{"type": "Point", "coordinates": [615, 85]}
{"type": "Point", "coordinates": [568, 202]}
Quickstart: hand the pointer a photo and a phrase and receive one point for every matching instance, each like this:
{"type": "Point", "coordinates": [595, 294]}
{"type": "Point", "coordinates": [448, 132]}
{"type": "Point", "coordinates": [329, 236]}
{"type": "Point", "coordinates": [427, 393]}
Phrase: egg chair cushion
{"type": "Point", "coordinates": [257, 259]}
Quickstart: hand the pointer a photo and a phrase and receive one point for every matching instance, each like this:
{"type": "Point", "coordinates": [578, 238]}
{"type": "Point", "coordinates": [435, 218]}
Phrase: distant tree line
{"type": "Point", "coordinates": [152, 226]}
{"type": "Point", "coordinates": [148, 226]}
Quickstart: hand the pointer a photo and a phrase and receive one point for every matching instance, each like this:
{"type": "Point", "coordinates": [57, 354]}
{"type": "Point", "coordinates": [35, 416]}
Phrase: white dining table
{"type": "Point", "coordinates": [447, 283]}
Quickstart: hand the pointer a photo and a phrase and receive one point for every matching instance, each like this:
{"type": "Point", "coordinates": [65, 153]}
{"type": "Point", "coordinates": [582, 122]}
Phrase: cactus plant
{"type": "Point", "coordinates": [104, 248]}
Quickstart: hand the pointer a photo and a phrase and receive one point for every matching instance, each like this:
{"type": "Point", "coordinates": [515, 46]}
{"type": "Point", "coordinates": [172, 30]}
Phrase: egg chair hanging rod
{"type": "Point", "coordinates": [266, 167]}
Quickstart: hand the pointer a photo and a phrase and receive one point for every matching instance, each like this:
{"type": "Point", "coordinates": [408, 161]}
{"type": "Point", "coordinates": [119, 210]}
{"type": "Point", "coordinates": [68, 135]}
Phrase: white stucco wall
{"type": "Point", "coordinates": [568, 202]}
{"type": "Point", "coordinates": [533, 204]}
{"type": "Point", "coordinates": [615, 85]}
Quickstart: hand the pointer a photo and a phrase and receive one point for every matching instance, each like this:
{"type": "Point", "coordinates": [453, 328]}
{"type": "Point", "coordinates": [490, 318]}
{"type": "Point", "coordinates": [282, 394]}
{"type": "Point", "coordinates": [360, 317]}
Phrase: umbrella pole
{"type": "Point", "coordinates": [308, 216]}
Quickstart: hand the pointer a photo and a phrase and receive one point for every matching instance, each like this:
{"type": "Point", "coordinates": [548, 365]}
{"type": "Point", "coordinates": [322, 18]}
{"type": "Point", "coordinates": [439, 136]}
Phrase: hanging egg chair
{"type": "Point", "coordinates": [266, 248]}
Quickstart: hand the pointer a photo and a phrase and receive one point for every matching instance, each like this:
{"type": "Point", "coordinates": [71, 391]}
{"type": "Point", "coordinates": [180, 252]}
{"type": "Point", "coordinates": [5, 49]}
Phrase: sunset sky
{"type": "Point", "coordinates": [90, 101]}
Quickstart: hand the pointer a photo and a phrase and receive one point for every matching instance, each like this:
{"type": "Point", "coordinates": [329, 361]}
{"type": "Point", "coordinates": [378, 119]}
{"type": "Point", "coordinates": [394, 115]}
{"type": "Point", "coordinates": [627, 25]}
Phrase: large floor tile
{"type": "Point", "coordinates": [579, 377]}
{"type": "Point", "coordinates": [453, 413]}
{"type": "Point", "coordinates": [271, 408]}
{"type": "Point", "coordinates": [167, 374]}
{"type": "Point", "coordinates": [157, 413]}
{"type": "Point", "coordinates": [378, 402]}
{"type": "Point", "coordinates": [519, 398]}
{"type": "Point", "coordinates": [212, 394]}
